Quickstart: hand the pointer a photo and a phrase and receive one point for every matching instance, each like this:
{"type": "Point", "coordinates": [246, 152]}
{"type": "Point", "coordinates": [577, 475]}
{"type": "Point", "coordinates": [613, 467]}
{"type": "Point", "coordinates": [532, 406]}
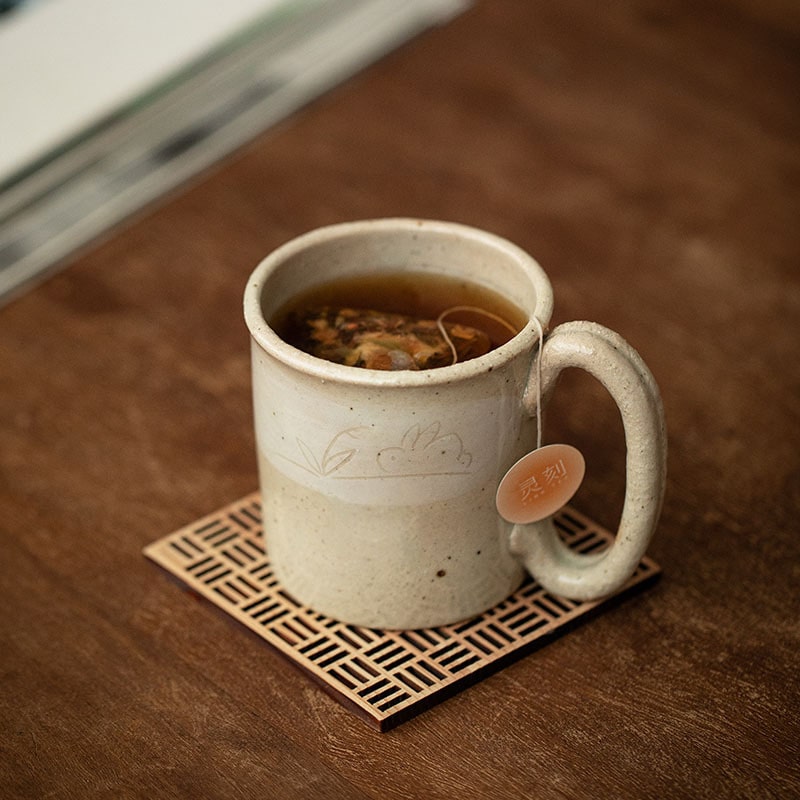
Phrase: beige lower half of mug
{"type": "Point", "coordinates": [400, 567]}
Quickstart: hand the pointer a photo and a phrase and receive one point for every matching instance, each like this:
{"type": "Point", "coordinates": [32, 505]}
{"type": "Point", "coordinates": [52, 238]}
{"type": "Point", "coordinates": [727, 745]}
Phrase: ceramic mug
{"type": "Point", "coordinates": [378, 488]}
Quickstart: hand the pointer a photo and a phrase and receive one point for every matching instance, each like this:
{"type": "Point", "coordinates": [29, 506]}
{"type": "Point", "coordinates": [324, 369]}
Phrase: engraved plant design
{"type": "Point", "coordinates": [421, 452]}
{"type": "Point", "coordinates": [338, 452]}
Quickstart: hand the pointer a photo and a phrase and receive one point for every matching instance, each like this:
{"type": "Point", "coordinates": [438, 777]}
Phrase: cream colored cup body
{"type": "Point", "coordinates": [378, 488]}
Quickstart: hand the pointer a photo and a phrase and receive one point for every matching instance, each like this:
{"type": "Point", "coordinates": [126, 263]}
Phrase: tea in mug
{"type": "Point", "coordinates": [398, 321]}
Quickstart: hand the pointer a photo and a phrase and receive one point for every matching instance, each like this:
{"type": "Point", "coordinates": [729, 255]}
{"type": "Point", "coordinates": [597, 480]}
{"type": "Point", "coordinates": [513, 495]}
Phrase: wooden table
{"type": "Point", "coordinates": [647, 154]}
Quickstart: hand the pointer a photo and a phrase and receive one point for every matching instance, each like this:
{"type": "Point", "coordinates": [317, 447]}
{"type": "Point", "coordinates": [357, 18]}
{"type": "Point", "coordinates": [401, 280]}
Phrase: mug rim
{"type": "Point", "coordinates": [269, 341]}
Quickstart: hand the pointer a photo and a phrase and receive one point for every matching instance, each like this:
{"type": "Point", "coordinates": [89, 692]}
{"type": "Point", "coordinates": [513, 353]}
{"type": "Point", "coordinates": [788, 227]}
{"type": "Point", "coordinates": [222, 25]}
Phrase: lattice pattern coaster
{"type": "Point", "coordinates": [384, 676]}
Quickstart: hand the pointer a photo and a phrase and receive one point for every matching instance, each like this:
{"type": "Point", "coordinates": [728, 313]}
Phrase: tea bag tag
{"type": "Point", "coordinates": [544, 480]}
{"type": "Point", "coordinates": [540, 483]}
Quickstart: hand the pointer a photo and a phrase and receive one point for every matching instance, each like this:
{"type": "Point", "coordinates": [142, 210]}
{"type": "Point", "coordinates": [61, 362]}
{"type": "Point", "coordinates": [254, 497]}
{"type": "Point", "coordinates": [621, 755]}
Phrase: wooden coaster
{"type": "Point", "coordinates": [386, 677]}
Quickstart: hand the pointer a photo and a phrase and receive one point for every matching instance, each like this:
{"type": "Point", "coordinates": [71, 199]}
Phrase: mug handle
{"type": "Point", "coordinates": [609, 358]}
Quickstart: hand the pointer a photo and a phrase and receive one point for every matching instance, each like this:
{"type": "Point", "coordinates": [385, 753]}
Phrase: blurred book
{"type": "Point", "coordinates": [105, 106]}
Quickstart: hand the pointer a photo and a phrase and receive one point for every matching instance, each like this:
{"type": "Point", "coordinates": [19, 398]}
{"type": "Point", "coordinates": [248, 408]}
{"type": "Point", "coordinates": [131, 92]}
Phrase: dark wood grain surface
{"type": "Point", "coordinates": [647, 154]}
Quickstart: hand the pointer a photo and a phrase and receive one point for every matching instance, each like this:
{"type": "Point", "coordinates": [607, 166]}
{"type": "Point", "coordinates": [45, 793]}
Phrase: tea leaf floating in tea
{"type": "Point", "coordinates": [383, 340]}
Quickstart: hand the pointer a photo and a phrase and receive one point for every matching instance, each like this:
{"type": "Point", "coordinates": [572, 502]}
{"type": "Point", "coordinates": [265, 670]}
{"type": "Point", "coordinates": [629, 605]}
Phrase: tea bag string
{"type": "Point", "coordinates": [540, 331]}
{"type": "Point", "coordinates": [474, 310]}
{"type": "Point", "coordinates": [508, 326]}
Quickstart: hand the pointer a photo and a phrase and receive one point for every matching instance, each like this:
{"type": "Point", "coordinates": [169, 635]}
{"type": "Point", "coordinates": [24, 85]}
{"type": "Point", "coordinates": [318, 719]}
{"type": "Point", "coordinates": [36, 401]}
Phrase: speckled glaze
{"type": "Point", "coordinates": [378, 487]}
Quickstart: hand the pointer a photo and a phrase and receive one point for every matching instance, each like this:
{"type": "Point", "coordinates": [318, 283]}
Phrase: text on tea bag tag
{"type": "Point", "coordinates": [540, 483]}
{"type": "Point", "coordinates": [544, 480]}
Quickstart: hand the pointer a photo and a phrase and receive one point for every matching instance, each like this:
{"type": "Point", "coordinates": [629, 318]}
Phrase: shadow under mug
{"type": "Point", "coordinates": [378, 488]}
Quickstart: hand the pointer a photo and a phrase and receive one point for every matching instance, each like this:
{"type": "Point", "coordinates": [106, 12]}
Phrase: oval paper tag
{"type": "Point", "coordinates": [540, 483]}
